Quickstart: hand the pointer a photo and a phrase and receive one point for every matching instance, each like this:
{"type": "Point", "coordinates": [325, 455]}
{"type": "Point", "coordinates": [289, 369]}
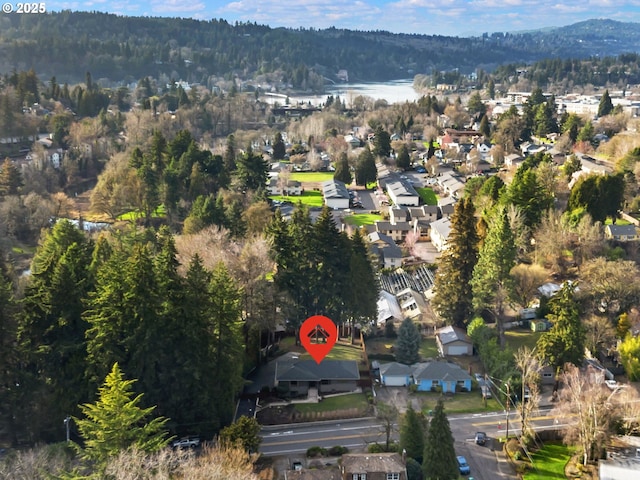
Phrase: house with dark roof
{"type": "Point", "coordinates": [397, 231]}
{"type": "Point", "coordinates": [373, 466]}
{"type": "Point", "coordinates": [453, 341]}
{"type": "Point", "coordinates": [621, 233]}
{"type": "Point", "coordinates": [327, 473]}
{"type": "Point", "coordinates": [329, 376]}
{"type": "Point", "coordinates": [439, 375]}
{"type": "Point", "coordinates": [395, 374]}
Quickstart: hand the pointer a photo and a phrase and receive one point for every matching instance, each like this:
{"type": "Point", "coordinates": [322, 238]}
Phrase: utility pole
{"type": "Point", "coordinates": [67, 422]}
{"type": "Point", "coordinates": [508, 395]}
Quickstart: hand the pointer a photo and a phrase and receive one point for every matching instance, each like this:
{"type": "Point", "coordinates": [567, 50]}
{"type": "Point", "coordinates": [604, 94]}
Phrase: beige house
{"type": "Point", "coordinates": [621, 233]}
{"type": "Point", "coordinates": [373, 466]}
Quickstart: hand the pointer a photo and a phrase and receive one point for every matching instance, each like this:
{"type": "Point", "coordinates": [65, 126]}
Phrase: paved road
{"type": "Point", "coordinates": [485, 461]}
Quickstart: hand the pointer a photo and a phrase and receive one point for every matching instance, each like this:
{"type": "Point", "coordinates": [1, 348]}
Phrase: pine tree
{"type": "Point", "coordinates": [343, 170]}
{"type": "Point", "coordinates": [404, 160]}
{"type": "Point", "coordinates": [413, 430]}
{"type": "Point", "coordinates": [453, 295]}
{"type": "Point", "coordinates": [407, 348]}
{"type": "Point", "coordinates": [439, 459]}
{"type": "Point", "coordinates": [116, 422]}
{"type": "Point", "coordinates": [565, 341]}
{"type": "Point", "coordinates": [605, 107]}
{"type": "Point", "coordinates": [244, 432]}
{"type": "Point", "coordinates": [10, 178]}
{"type": "Point", "coordinates": [491, 281]}
{"type": "Point", "coordinates": [381, 143]}
{"type": "Point", "coordinates": [279, 148]}
{"type": "Point", "coordinates": [366, 171]}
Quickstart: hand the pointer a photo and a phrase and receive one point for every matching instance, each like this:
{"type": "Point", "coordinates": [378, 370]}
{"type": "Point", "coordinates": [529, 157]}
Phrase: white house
{"type": "Point", "coordinates": [335, 194]}
{"type": "Point", "coordinates": [402, 193]}
{"type": "Point", "coordinates": [440, 233]}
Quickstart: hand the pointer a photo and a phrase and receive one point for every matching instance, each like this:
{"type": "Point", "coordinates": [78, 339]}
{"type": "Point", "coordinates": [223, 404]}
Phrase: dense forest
{"type": "Point", "coordinates": [124, 49]}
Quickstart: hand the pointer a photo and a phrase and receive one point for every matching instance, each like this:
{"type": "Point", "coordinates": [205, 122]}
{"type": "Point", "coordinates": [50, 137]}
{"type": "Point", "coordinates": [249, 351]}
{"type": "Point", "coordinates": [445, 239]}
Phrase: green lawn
{"type": "Point", "coordinates": [342, 402]}
{"type": "Point", "coordinates": [360, 219]}
{"type": "Point", "coordinates": [519, 338]}
{"type": "Point", "coordinates": [549, 462]}
{"type": "Point", "coordinates": [428, 196]}
{"type": "Point", "coordinates": [311, 198]}
{"type": "Point", "coordinates": [619, 221]}
{"type": "Point", "coordinates": [428, 348]}
{"type": "Point", "coordinates": [461, 402]}
{"type": "Point", "coordinates": [308, 177]}
{"type": "Point", "coordinates": [340, 352]}
{"type": "Point", "coordinates": [136, 214]}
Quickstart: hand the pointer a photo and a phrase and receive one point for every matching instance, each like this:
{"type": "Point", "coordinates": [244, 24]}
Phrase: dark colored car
{"type": "Point", "coordinates": [481, 438]}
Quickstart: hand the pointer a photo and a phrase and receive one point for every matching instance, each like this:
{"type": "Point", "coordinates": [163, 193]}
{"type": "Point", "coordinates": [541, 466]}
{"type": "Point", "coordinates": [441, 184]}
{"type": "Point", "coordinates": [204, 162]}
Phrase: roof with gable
{"type": "Point", "coordinates": [334, 189]}
{"type": "Point", "coordinates": [395, 368]}
{"type": "Point", "coordinates": [617, 230]}
{"type": "Point", "coordinates": [372, 463]}
{"type": "Point", "coordinates": [439, 370]}
{"type": "Point", "coordinates": [309, 370]}
{"type": "Point", "coordinates": [452, 334]}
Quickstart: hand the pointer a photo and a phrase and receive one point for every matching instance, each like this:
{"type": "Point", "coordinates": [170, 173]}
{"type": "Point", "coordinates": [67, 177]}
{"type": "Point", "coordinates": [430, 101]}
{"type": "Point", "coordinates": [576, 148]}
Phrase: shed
{"type": "Point", "coordinates": [539, 325]}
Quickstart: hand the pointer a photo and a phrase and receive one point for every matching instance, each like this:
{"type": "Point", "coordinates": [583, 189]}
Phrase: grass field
{"type": "Point", "coordinates": [461, 402]}
{"type": "Point", "coordinates": [428, 348]}
{"type": "Point", "coordinates": [136, 215]}
{"type": "Point", "coordinates": [360, 219]}
{"type": "Point", "coordinates": [341, 402]}
{"type": "Point", "coordinates": [340, 352]}
{"type": "Point", "coordinates": [517, 338]}
{"type": "Point", "coordinates": [311, 198]}
{"type": "Point", "coordinates": [311, 177]}
{"type": "Point", "coordinates": [550, 462]}
{"type": "Point", "coordinates": [428, 196]}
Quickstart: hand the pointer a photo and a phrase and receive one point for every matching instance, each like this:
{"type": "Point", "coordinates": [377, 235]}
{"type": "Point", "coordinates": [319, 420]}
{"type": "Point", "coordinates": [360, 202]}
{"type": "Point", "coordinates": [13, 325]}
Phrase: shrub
{"type": "Point", "coordinates": [316, 452]}
{"type": "Point", "coordinates": [337, 451]}
{"type": "Point", "coordinates": [375, 448]}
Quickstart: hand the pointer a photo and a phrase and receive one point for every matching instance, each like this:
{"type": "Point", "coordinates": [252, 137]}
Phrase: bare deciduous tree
{"type": "Point", "coordinates": [526, 280]}
{"type": "Point", "coordinates": [586, 406]}
{"type": "Point", "coordinates": [530, 367]}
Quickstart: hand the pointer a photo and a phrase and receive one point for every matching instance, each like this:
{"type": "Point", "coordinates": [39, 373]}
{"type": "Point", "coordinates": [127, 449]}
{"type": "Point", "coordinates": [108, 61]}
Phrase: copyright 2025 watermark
{"type": "Point", "coordinates": [33, 7]}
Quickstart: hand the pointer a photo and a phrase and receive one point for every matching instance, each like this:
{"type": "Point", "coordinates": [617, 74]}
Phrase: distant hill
{"type": "Point", "coordinates": [124, 49]}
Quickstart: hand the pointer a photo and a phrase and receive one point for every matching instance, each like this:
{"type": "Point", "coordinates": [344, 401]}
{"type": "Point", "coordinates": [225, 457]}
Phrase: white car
{"type": "Point", "coordinates": [612, 384]}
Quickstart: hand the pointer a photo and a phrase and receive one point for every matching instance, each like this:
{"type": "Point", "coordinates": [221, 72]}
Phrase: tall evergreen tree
{"type": "Point", "coordinates": [52, 330]}
{"type": "Point", "coordinates": [439, 459]}
{"type": "Point", "coordinates": [343, 170]}
{"type": "Point", "coordinates": [361, 291]}
{"type": "Point", "coordinates": [565, 341]}
{"type": "Point", "coordinates": [407, 347]}
{"type": "Point", "coordinates": [279, 148]}
{"type": "Point", "coordinates": [453, 294]}
{"type": "Point", "coordinates": [491, 281]}
{"type": "Point", "coordinates": [527, 192]}
{"type": "Point", "coordinates": [116, 422]}
{"type": "Point", "coordinates": [366, 171]}
{"type": "Point", "coordinates": [381, 143]}
{"type": "Point", "coordinates": [413, 430]}
{"type": "Point", "coordinates": [605, 107]}
{"type": "Point", "coordinates": [404, 160]}
{"type": "Point", "coordinates": [10, 178]}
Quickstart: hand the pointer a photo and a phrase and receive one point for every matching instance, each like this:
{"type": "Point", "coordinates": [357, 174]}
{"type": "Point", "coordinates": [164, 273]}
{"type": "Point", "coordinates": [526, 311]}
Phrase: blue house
{"type": "Point", "coordinates": [449, 377]}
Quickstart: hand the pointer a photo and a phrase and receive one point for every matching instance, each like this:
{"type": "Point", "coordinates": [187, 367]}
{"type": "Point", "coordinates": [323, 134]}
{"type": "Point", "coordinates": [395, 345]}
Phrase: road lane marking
{"type": "Point", "coordinates": [326, 439]}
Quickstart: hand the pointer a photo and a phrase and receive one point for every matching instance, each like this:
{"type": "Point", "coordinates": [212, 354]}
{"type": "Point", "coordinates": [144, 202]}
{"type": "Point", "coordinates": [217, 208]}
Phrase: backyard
{"type": "Point", "coordinates": [311, 198]}
{"type": "Point", "coordinates": [360, 219]}
{"type": "Point", "coordinates": [311, 177]}
{"type": "Point", "coordinates": [428, 196]}
{"type": "Point", "coordinates": [518, 337]}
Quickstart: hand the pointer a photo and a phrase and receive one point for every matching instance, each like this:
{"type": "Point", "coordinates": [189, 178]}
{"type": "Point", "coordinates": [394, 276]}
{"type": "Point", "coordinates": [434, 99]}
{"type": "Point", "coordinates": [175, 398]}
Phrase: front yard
{"type": "Point", "coordinates": [340, 402]}
{"type": "Point", "coordinates": [360, 219]}
{"type": "Point", "coordinates": [311, 198]}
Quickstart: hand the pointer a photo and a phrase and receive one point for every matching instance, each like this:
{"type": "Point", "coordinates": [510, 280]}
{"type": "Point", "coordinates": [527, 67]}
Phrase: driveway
{"type": "Point", "coordinates": [397, 396]}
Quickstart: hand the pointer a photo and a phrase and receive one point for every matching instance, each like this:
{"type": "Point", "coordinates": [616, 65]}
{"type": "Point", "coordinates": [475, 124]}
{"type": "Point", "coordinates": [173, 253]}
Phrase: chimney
{"type": "Point", "coordinates": [404, 456]}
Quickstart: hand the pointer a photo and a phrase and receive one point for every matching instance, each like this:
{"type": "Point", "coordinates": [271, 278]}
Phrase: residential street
{"type": "Point", "coordinates": [486, 461]}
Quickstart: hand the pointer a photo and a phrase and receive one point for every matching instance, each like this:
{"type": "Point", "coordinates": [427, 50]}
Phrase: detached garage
{"type": "Point", "coordinates": [395, 374]}
{"type": "Point", "coordinates": [453, 341]}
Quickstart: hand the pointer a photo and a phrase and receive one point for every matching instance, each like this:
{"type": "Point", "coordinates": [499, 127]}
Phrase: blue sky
{"type": "Point", "coordinates": [431, 17]}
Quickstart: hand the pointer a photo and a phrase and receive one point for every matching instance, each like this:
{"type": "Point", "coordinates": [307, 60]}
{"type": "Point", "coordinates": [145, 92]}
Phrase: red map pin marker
{"type": "Point", "coordinates": [318, 335]}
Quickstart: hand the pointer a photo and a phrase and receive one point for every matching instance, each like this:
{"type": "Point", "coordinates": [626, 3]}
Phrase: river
{"type": "Point", "coordinates": [395, 91]}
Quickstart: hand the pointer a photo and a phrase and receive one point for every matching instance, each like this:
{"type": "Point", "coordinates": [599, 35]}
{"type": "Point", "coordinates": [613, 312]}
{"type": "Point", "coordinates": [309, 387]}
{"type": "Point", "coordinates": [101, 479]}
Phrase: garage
{"type": "Point", "coordinates": [395, 374]}
{"type": "Point", "coordinates": [457, 350]}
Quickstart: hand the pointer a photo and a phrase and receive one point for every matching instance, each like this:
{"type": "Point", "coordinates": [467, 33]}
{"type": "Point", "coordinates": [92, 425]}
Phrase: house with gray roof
{"type": "Point", "coordinates": [397, 231]}
{"type": "Point", "coordinates": [329, 376]}
{"type": "Point", "coordinates": [439, 233]}
{"type": "Point", "coordinates": [373, 466]}
{"type": "Point", "coordinates": [335, 194]}
{"type": "Point", "coordinates": [440, 375]}
{"type": "Point", "coordinates": [385, 249]}
{"type": "Point", "coordinates": [453, 341]}
{"type": "Point", "coordinates": [427, 376]}
{"type": "Point", "coordinates": [388, 308]}
{"type": "Point", "coordinates": [402, 193]}
{"type": "Point", "coordinates": [621, 233]}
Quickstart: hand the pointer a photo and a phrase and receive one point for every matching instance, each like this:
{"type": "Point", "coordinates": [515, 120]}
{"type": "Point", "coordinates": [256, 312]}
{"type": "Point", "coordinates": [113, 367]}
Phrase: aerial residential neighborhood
{"type": "Point", "coordinates": [172, 217]}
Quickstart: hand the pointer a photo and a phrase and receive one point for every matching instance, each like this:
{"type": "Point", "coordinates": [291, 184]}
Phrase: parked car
{"type": "Point", "coordinates": [187, 442]}
{"type": "Point", "coordinates": [481, 438]}
{"type": "Point", "coordinates": [463, 466]}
